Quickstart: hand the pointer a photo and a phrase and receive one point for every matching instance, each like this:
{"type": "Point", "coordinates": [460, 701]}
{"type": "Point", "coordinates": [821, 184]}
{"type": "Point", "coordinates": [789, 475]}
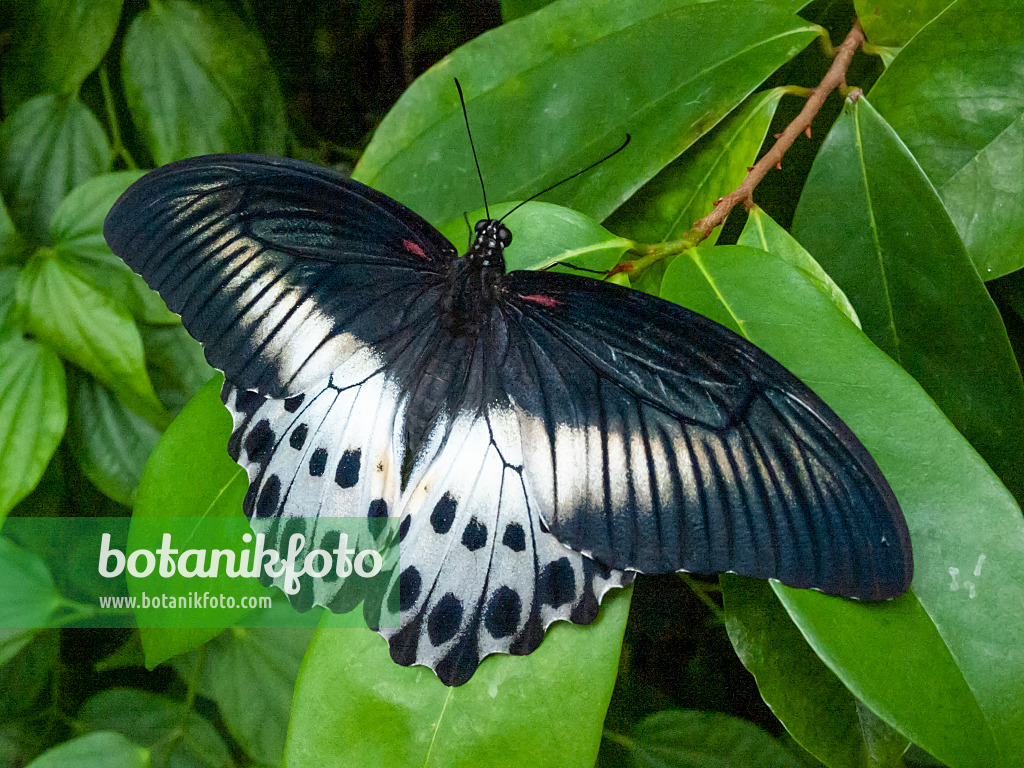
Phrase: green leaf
{"type": "Point", "coordinates": [77, 233]}
{"type": "Point", "coordinates": [354, 706]}
{"type": "Point", "coordinates": [544, 234]}
{"type": "Point", "coordinates": [88, 328]}
{"type": "Point", "coordinates": [241, 666]}
{"type": "Point", "coordinates": [894, 22]}
{"type": "Point", "coordinates": [686, 738]}
{"type": "Point", "coordinates": [872, 219]}
{"type": "Point", "coordinates": [556, 82]}
{"type": "Point", "coordinates": [55, 45]}
{"type": "Point", "coordinates": [197, 80]}
{"type": "Point", "coordinates": [189, 474]}
{"type": "Point", "coordinates": [666, 207]}
{"type": "Point", "coordinates": [109, 442]}
{"type": "Point", "coordinates": [33, 415]}
{"type": "Point", "coordinates": [817, 709]}
{"type": "Point", "coordinates": [96, 750]}
{"type": "Point", "coordinates": [762, 232]}
{"type": "Point", "coordinates": [955, 96]}
{"type": "Point", "coordinates": [48, 146]}
{"type": "Point", "coordinates": [9, 277]}
{"type": "Point", "coordinates": [942, 664]}
{"type": "Point", "coordinates": [513, 9]}
{"type": "Point", "coordinates": [176, 364]}
{"type": "Point", "coordinates": [11, 243]}
{"type": "Point", "coordinates": [25, 673]}
{"type": "Point", "coordinates": [29, 597]}
{"type": "Point", "coordinates": [176, 736]}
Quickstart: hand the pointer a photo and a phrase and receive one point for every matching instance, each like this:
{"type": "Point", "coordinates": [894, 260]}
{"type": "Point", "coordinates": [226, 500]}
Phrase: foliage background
{"type": "Point", "coordinates": [909, 200]}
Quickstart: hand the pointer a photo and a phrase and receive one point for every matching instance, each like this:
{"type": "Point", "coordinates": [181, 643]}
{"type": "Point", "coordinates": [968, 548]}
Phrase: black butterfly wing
{"type": "Point", "coordinates": [658, 440]}
{"type": "Point", "coordinates": [284, 270]}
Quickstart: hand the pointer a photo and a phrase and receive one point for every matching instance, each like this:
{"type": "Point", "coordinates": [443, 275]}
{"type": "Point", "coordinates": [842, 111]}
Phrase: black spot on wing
{"type": "Point", "coordinates": [515, 537]}
{"type": "Point", "coordinates": [298, 436]}
{"type": "Point", "coordinates": [557, 583]}
{"type": "Point", "coordinates": [377, 513]}
{"type": "Point", "coordinates": [503, 609]}
{"type": "Point", "coordinates": [443, 516]}
{"type": "Point", "coordinates": [409, 585]}
{"type": "Point", "coordinates": [318, 462]}
{"type": "Point", "coordinates": [444, 620]}
{"type": "Point", "coordinates": [270, 496]}
{"type": "Point", "coordinates": [347, 474]}
{"type": "Point", "coordinates": [474, 536]}
{"type": "Point", "coordinates": [259, 443]}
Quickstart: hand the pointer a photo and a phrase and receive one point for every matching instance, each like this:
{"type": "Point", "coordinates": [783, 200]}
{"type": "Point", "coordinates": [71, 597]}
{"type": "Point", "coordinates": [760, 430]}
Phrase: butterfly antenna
{"type": "Point", "coordinates": [609, 156]}
{"type": "Point", "coordinates": [472, 146]}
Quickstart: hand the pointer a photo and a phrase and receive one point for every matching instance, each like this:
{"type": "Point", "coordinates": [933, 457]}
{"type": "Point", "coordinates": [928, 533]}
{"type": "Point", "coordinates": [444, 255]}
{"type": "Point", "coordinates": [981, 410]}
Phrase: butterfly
{"type": "Point", "coordinates": [536, 437]}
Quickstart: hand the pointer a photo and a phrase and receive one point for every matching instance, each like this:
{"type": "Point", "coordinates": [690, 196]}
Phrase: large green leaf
{"type": "Point", "coordinates": [872, 219]}
{"type": "Point", "coordinates": [33, 415]}
{"type": "Point", "coordinates": [177, 737]}
{"type": "Point", "coordinates": [561, 87]}
{"type": "Point", "coordinates": [686, 738]}
{"type": "Point", "coordinates": [110, 443]}
{"type": "Point", "coordinates": [197, 80]}
{"type": "Point", "coordinates": [48, 146]}
{"type": "Point", "coordinates": [762, 232]}
{"type": "Point", "coordinates": [55, 45]}
{"type": "Point", "coordinates": [95, 750]}
{"type": "Point", "coordinates": [77, 233]}
{"type": "Point", "coordinates": [189, 474]}
{"type": "Point", "coordinates": [955, 96]}
{"type": "Point", "coordinates": [354, 706]}
{"type": "Point", "coordinates": [894, 22]}
{"type": "Point", "coordinates": [816, 708]}
{"type": "Point", "coordinates": [942, 664]}
{"type": "Point", "coordinates": [244, 665]}
{"type": "Point", "coordinates": [88, 328]}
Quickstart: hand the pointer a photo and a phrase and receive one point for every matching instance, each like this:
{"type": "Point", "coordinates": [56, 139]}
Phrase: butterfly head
{"type": "Point", "coordinates": [490, 239]}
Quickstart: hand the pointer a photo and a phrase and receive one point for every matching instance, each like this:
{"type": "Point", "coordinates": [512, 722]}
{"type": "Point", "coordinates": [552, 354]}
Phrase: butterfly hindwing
{"type": "Point", "coordinates": [282, 269]}
{"type": "Point", "coordinates": [659, 440]}
{"type": "Point", "coordinates": [318, 463]}
{"type": "Point", "coordinates": [480, 574]}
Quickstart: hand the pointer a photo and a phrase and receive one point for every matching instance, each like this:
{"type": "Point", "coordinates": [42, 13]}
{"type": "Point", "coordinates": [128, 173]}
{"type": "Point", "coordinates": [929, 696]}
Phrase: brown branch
{"type": "Point", "coordinates": [834, 78]}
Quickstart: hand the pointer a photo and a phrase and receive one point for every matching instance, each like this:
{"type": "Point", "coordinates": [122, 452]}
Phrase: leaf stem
{"type": "Point", "coordinates": [701, 592]}
{"type": "Point", "coordinates": [115, 130]}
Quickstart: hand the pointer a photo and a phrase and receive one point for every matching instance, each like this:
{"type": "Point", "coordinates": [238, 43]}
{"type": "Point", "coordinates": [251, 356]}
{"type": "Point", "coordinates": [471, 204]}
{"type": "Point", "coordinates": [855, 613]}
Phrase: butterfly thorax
{"type": "Point", "coordinates": [478, 278]}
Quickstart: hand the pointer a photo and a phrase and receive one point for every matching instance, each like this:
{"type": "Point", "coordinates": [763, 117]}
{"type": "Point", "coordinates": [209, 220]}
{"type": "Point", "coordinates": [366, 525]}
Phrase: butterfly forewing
{"type": "Point", "coordinates": [282, 269]}
{"type": "Point", "coordinates": [659, 440]}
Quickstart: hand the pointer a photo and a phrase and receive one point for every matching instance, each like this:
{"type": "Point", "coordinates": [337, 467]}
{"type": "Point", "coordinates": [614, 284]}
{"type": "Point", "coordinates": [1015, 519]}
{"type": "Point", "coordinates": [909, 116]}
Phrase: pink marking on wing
{"type": "Point", "coordinates": [411, 247]}
{"type": "Point", "coordinates": [544, 301]}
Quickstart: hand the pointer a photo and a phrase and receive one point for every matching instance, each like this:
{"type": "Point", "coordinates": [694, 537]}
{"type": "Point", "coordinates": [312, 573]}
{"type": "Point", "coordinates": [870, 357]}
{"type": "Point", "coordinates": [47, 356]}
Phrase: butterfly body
{"type": "Point", "coordinates": [537, 437]}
